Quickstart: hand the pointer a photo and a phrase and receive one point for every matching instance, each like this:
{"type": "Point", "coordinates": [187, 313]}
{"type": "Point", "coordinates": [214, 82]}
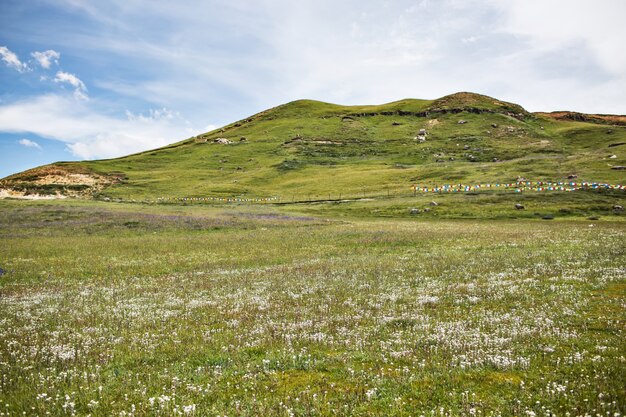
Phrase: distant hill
{"type": "Point", "coordinates": [316, 149]}
{"type": "Point", "coordinates": [608, 119]}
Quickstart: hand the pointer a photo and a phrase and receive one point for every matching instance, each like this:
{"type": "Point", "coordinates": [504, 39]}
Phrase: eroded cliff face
{"type": "Point", "coordinates": [55, 181]}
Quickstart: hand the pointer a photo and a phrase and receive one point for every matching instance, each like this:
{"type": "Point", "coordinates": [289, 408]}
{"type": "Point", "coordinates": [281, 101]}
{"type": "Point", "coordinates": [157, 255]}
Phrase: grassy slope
{"type": "Point", "coordinates": [369, 154]}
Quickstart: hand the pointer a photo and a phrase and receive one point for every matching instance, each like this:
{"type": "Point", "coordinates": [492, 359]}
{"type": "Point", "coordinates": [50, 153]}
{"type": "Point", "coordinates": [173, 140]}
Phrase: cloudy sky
{"type": "Point", "coordinates": [97, 79]}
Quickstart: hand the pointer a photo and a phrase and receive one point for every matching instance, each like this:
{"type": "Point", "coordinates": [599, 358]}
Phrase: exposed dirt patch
{"type": "Point", "coordinates": [9, 193]}
{"type": "Point", "coordinates": [55, 181]}
{"type": "Point", "coordinates": [306, 141]}
{"type": "Point", "coordinates": [432, 122]}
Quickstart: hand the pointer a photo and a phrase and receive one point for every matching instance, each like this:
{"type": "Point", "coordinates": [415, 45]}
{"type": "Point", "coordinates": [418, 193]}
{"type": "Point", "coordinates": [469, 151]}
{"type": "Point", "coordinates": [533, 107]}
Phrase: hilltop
{"type": "Point", "coordinates": [312, 150]}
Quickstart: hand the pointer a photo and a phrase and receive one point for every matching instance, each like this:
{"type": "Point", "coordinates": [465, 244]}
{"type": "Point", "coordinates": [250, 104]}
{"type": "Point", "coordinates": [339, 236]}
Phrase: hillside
{"type": "Point", "coordinates": [313, 150]}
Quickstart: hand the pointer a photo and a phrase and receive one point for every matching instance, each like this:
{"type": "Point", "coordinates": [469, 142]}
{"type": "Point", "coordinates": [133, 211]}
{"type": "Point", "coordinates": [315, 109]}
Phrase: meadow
{"type": "Point", "coordinates": [321, 309]}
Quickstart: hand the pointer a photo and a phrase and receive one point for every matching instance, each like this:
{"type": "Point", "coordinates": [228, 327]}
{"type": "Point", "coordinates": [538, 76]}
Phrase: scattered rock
{"type": "Point", "coordinates": [325, 142]}
{"type": "Point", "coordinates": [612, 156]}
{"type": "Point", "coordinates": [547, 217]}
{"type": "Point", "coordinates": [495, 160]}
{"type": "Point", "coordinates": [243, 139]}
{"type": "Point", "coordinates": [572, 176]}
{"type": "Point", "coordinates": [619, 167]}
{"type": "Point", "coordinates": [415, 211]}
{"type": "Point", "coordinates": [466, 147]}
{"type": "Point", "coordinates": [462, 122]}
{"type": "Point", "coordinates": [222, 141]}
{"type": "Point", "coordinates": [423, 132]}
{"type": "Point", "coordinates": [608, 132]}
{"type": "Point", "coordinates": [494, 125]}
{"type": "Point", "coordinates": [433, 203]}
{"type": "Point", "coordinates": [617, 207]}
{"type": "Point", "coordinates": [518, 206]}
{"type": "Point", "coordinates": [426, 210]}
{"type": "Point", "coordinates": [396, 124]}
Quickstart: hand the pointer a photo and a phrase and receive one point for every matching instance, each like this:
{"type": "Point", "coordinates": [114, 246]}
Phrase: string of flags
{"type": "Point", "coordinates": [220, 199]}
{"type": "Point", "coordinates": [518, 186]}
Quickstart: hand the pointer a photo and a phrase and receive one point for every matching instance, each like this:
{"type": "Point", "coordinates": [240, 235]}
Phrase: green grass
{"type": "Point", "coordinates": [594, 204]}
{"type": "Point", "coordinates": [320, 309]}
{"type": "Point", "coordinates": [307, 148]}
{"type": "Point", "coordinates": [346, 295]}
{"type": "Point", "coordinates": [299, 152]}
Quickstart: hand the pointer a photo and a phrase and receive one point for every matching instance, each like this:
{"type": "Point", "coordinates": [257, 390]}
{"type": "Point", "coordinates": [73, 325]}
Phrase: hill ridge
{"type": "Point", "coordinates": [608, 119]}
{"type": "Point", "coordinates": [309, 147]}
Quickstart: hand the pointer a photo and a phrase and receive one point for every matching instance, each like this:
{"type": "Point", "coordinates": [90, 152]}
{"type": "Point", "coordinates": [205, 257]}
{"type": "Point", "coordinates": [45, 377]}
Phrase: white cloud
{"type": "Point", "coordinates": [259, 54]}
{"type": "Point", "coordinates": [29, 143]}
{"type": "Point", "coordinates": [262, 53]}
{"type": "Point", "coordinates": [598, 25]}
{"type": "Point", "coordinates": [11, 60]}
{"type": "Point", "coordinates": [80, 91]}
{"type": "Point", "coordinates": [89, 133]}
{"type": "Point", "coordinates": [46, 58]}
{"type": "Point", "coordinates": [544, 55]}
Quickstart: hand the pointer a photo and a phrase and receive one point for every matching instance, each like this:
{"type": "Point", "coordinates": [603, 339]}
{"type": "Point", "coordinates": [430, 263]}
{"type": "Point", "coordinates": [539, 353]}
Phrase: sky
{"type": "Point", "coordinates": [99, 79]}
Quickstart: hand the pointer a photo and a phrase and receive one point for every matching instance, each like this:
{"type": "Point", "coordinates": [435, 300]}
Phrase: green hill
{"type": "Point", "coordinates": [313, 150]}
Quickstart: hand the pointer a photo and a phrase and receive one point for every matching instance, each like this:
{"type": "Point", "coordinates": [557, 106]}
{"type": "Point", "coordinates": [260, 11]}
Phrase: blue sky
{"type": "Point", "coordinates": [98, 79]}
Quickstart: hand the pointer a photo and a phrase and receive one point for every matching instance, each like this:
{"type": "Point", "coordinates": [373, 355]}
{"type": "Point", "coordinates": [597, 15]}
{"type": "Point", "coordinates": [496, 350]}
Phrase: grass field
{"type": "Point", "coordinates": [318, 309]}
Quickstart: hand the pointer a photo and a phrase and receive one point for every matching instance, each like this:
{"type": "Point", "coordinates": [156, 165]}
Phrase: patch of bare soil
{"type": "Point", "coordinates": [55, 181]}
{"type": "Point", "coordinates": [432, 122]}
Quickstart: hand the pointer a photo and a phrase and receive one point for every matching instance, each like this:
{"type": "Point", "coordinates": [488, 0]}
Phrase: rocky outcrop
{"type": "Point", "coordinates": [605, 119]}
{"type": "Point", "coordinates": [56, 181]}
